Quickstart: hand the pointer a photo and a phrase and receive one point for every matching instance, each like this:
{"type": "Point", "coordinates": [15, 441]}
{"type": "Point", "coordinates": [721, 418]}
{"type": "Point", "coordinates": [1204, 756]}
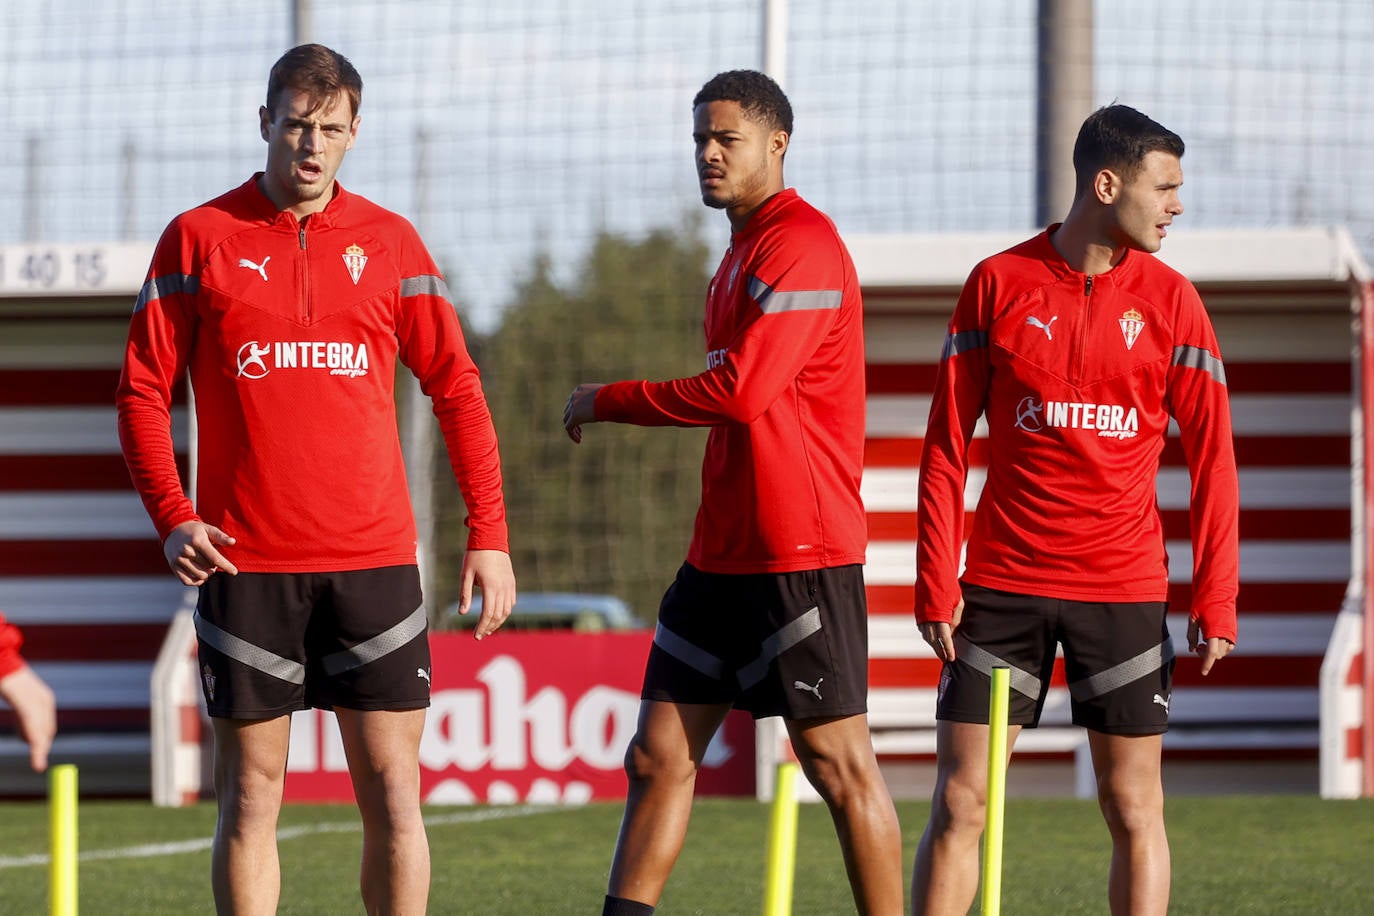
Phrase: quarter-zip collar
{"type": "Point", "coordinates": [1124, 269]}
{"type": "Point", "coordinates": [263, 207]}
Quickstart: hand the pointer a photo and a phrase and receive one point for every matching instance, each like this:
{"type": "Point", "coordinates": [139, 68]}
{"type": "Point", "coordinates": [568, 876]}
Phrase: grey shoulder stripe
{"type": "Point", "coordinates": [1200, 358]}
{"type": "Point", "coordinates": [770, 301]}
{"type": "Point", "coordinates": [689, 654]}
{"type": "Point", "coordinates": [425, 285]}
{"type": "Point", "coordinates": [383, 643]}
{"type": "Point", "coordinates": [167, 284]}
{"type": "Point", "coordinates": [244, 652]}
{"type": "Point", "coordinates": [779, 642]}
{"type": "Point", "coordinates": [962, 342]}
{"type": "Point", "coordinates": [981, 660]}
{"type": "Point", "coordinates": [1132, 669]}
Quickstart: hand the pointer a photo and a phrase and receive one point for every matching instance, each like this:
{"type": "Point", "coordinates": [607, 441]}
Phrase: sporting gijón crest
{"type": "Point", "coordinates": [355, 259]}
{"type": "Point", "coordinates": [1132, 323]}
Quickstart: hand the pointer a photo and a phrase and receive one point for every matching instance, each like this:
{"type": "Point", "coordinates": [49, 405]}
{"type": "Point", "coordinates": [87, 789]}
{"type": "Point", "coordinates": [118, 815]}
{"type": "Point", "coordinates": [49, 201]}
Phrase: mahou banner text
{"type": "Point", "coordinates": [539, 717]}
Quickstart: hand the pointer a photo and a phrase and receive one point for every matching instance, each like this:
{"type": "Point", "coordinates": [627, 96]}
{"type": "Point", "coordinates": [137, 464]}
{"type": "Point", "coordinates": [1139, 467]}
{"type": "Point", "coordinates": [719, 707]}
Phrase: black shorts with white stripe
{"type": "Point", "coordinates": [1118, 660]}
{"type": "Point", "coordinates": [273, 643]}
{"type": "Point", "coordinates": [775, 644]}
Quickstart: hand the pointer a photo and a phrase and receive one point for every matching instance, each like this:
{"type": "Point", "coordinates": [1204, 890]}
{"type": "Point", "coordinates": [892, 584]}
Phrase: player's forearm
{"type": "Point", "coordinates": [145, 436]}
{"type": "Point", "coordinates": [486, 519]}
{"type": "Point", "coordinates": [1214, 504]}
{"type": "Point", "coordinates": [937, 593]}
{"type": "Point", "coordinates": [1216, 558]}
{"type": "Point", "coordinates": [727, 394]}
{"type": "Point", "coordinates": [938, 539]}
{"type": "Point", "coordinates": [940, 520]}
{"type": "Point", "coordinates": [745, 379]}
{"type": "Point", "coordinates": [475, 460]}
{"type": "Point", "coordinates": [643, 403]}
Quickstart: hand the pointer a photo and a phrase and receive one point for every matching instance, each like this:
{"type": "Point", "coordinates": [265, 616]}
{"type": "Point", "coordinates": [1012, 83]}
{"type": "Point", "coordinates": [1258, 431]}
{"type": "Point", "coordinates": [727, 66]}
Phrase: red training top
{"type": "Point", "coordinates": [1078, 376]}
{"type": "Point", "coordinates": [10, 641]}
{"type": "Point", "coordinates": [291, 331]}
{"type": "Point", "coordinates": [783, 393]}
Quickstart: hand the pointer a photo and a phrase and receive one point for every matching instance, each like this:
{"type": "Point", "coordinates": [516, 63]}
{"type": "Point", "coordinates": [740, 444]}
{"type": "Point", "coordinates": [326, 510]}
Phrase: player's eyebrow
{"type": "Point", "coordinates": [322, 125]}
{"type": "Point", "coordinates": [725, 132]}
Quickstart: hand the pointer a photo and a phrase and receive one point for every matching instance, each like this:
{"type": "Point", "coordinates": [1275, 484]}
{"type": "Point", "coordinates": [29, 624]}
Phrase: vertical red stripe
{"type": "Point", "coordinates": [189, 724]}
{"type": "Point", "coordinates": [1367, 411]}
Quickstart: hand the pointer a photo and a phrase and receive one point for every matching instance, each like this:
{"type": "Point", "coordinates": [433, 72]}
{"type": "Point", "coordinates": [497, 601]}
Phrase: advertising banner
{"type": "Point", "coordinates": [538, 717]}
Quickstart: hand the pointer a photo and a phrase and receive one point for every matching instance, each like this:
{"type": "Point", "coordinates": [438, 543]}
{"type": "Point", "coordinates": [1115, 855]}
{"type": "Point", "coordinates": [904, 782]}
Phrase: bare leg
{"type": "Point", "coordinates": [250, 770]}
{"type": "Point", "coordinates": [662, 767]}
{"type": "Point", "coordinates": [944, 879]}
{"type": "Point", "coordinates": [837, 757]}
{"type": "Point", "coordinates": [1130, 792]}
{"type": "Point", "coordinates": [383, 750]}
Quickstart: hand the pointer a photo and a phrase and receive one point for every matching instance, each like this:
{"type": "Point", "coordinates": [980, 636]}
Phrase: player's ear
{"type": "Point", "coordinates": [777, 143]}
{"type": "Point", "coordinates": [264, 121]}
{"type": "Point", "coordinates": [1107, 186]}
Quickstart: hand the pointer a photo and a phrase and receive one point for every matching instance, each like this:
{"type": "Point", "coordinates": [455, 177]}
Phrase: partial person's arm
{"type": "Point", "coordinates": [25, 692]}
{"type": "Point", "coordinates": [433, 347]}
{"type": "Point", "coordinates": [1200, 403]}
{"type": "Point", "coordinates": [958, 400]}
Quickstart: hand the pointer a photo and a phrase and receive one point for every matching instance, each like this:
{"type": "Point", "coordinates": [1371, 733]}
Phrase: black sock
{"type": "Point", "coordinates": [619, 906]}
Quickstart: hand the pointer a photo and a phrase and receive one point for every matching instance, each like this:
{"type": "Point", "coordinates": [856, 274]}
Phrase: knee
{"type": "Point", "coordinates": [1130, 809]}
{"type": "Point", "coordinates": [388, 796]}
{"type": "Point", "coordinates": [845, 778]}
{"type": "Point", "coordinates": [249, 796]}
{"type": "Point", "coordinates": [645, 763]}
{"type": "Point", "coordinates": [957, 807]}
{"type": "Point", "coordinates": [389, 808]}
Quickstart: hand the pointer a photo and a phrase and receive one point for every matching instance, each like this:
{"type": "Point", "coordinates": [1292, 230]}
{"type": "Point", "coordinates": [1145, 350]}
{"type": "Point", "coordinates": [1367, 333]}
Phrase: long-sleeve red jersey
{"type": "Point", "coordinates": [1078, 377]}
{"type": "Point", "coordinates": [10, 641]}
{"type": "Point", "coordinates": [783, 393]}
{"type": "Point", "coordinates": [291, 331]}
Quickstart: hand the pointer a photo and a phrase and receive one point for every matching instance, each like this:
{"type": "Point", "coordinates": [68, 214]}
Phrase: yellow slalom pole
{"type": "Point", "coordinates": [62, 829]}
{"type": "Point", "coordinates": [997, 791]}
{"type": "Point", "coordinates": [782, 843]}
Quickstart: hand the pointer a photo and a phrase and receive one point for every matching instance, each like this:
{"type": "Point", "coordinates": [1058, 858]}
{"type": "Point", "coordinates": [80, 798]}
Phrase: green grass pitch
{"type": "Point", "coordinates": [1238, 854]}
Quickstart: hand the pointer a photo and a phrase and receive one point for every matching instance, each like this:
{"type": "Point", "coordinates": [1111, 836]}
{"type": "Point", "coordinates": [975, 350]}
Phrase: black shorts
{"type": "Point", "coordinates": [273, 643]}
{"type": "Point", "coordinates": [775, 644]}
{"type": "Point", "coordinates": [1118, 660]}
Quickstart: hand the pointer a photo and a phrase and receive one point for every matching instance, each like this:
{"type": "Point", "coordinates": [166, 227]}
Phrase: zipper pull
{"type": "Point", "coordinates": [1087, 281]}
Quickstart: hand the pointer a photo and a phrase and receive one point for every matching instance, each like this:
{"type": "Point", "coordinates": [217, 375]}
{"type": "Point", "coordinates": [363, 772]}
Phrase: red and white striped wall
{"type": "Point", "coordinates": [81, 571]}
{"type": "Point", "coordinates": [1347, 755]}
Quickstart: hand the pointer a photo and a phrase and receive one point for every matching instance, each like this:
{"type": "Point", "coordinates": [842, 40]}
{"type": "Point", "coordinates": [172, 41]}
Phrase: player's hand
{"type": "Point", "coordinates": [940, 635]}
{"type": "Point", "coordinates": [1210, 649]}
{"type": "Point", "coordinates": [192, 551]}
{"type": "Point", "coordinates": [491, 571]}
{"type": "Point", "coordinates": [36, 709]}
{"type": "Point", "coordinates": [581, 408]}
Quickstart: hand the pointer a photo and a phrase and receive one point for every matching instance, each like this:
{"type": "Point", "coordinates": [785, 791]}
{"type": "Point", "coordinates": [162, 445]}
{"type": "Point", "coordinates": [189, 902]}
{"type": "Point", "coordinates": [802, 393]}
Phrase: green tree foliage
{"type": "Point", "coordinates": [613, 514]}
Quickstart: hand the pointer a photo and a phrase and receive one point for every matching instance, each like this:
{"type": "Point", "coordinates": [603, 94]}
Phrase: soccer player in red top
{"type": "Point", "coordinates": [768, 613]}
{"type": "Point", "coordinates": [290, 302]}
{"type": "Point", "coordinates": [1078, 347]}
{"type": "Point", "coordinates": [30, 698]}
